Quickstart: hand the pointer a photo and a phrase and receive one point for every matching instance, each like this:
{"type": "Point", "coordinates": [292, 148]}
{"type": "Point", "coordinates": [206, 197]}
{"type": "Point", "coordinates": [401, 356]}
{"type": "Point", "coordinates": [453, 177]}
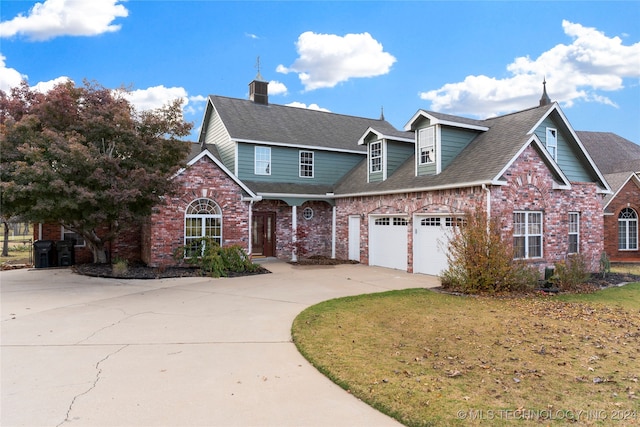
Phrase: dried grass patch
{"type": "Point", "coordinates": [435, 359]}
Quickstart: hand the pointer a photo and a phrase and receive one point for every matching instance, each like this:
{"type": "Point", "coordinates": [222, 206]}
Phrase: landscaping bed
{"type": "Point", "coordinates": [143, 272]}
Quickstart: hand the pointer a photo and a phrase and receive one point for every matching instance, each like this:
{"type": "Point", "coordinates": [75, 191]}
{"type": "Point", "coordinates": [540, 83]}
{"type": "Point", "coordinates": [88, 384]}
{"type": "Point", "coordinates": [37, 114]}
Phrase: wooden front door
{"type": "Point", "coordinates": [263, 232]}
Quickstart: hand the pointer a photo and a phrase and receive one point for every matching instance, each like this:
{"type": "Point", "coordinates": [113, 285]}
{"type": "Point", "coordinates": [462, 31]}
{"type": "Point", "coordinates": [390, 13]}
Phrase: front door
{"type": "Point", "coordinates": [263, 230]}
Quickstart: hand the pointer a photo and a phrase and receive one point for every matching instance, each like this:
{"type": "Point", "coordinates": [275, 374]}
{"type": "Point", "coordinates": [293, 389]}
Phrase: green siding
{"type": "Point", "coordinates": [428, 169]}
{"type": "Point", "coordinates": [568, 159]}
{"type": "Point", "coordinates": [397, 153]}
{"type": "Point", "coordinates": [375, 176]}
{"type": "Point", "coordinates": [217, 135]}
{"type": "Point", "coordinates": [453, 141]}
{"type": "Point", "coordinates": [328, 166]}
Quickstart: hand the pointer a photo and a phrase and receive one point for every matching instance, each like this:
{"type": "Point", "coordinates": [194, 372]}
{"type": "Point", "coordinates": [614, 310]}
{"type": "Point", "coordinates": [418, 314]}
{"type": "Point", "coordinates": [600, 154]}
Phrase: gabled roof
{"type": "Point", "coordinates": [483, 161]}
{"type": "Point", "coordinates": [611, 152]}
{"type": "Point", "coordinates": [618, 180]}
{"type": "Point", "coordinates": [394, 135]}
{"type": "Point", "coordinates": [247, 121]}
{"type": "Point", "coordinates": [208, 152]}
{"type": "Point", "coordinates": [447, 120]}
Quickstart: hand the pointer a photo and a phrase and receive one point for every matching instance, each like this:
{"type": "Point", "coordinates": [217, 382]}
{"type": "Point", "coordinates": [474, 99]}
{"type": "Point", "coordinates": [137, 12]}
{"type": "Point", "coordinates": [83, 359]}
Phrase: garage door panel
{"type": "Point", "coordinates": [388, 242]}
{"type": "Point", "coordinates": [430, 244]}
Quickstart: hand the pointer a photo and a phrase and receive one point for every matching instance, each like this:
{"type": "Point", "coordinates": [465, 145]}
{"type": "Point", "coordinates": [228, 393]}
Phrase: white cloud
{"type": "Point", "coordinates": [277, 88]}
{"type": "Point", "coordinates": [593, 62]}
{"type": "Point", "coordinates": [54, 18]}
{"type": "Point", "coordinates": [155, 97]}
{"type": "Point", "coordinates": [324, 60]}
{"type": "Point", "coordinates": [310, 106]}
{"type": "Point", "coordinates": [158, 96]}
{"type": "Point", "coordinates": [252, 36]}
{"type": "Point", "coordinates": [9, 77]}
{"type": "Point", "coordinates": [44, 87]}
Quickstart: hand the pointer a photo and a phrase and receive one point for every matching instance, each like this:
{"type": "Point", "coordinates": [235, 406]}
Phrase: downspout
{"type": "Point", "coordinates": [294, 233]}
{"type": "Point", "coordinates": [333, 233]}
{"type": "Point", "coordinates": [488, 190]}
{"type": "Point", "coordinates": [250, 225]}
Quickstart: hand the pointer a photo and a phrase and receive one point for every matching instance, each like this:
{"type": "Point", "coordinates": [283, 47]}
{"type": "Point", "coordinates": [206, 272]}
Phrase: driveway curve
{"type": "Point", "coordinates": [84, 351]}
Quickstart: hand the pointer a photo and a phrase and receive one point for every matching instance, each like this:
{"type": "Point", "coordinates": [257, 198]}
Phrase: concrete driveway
{"type": "Point", "coordinates": [84, 351]}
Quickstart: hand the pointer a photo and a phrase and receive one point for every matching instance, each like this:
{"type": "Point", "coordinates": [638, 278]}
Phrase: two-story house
{"type": "Point", "coordinates": [289, 182]}
{"type": "Point", "coordinates": [286, 182]}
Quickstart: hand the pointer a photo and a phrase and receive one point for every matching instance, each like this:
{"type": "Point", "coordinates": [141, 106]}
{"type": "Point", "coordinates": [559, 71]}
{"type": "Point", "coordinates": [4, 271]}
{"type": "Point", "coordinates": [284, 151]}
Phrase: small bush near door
{"type": "Point", "coordinates": [216, 261]}
{"type": "Point", "coordinates": [480, 261]}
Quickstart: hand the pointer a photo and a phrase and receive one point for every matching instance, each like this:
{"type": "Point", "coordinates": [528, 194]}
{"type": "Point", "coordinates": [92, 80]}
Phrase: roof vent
{"type": "Point", "coordinates": [544, 100]}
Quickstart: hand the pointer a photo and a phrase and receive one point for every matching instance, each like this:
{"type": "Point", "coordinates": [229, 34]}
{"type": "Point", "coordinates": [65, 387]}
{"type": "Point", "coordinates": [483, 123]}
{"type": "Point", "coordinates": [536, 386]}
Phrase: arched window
{"type": "Point", "coordinates": [628, 230]}
{"type": "Point", "coordinates": [203, 218]}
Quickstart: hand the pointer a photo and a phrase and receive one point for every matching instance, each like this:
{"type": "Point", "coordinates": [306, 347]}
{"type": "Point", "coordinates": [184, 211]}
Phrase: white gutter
{"type": "Point", "coordinates": [305, 147]}
{"type": "Point", "coordinates": [419, 189]}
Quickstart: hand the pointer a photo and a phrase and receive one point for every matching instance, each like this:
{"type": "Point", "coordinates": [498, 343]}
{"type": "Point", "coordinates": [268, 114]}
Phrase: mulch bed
{"type": "Point", "coordinates": [322, 260]}
{"type": "Point", "coordinates": [144, 272]}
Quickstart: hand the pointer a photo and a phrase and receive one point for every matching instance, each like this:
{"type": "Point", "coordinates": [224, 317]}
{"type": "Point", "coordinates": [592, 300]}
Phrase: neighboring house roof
{"type": "Point", "coordinates": [483, 161]}
{"type": "Point", "coordinates": [618, 180]}
{"type": "Point", "coordinates": [611, 152]}
{"type": "Point", "coordinates": [278, 124]}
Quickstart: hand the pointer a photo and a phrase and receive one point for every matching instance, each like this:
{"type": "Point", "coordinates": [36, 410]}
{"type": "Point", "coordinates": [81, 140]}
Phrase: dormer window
{"type": "Point", "coordinates": [427, 145]}
{"type": "Point", "coordinates": [375, 157]}
{"type": "Point", "coordinates": [552, 142]}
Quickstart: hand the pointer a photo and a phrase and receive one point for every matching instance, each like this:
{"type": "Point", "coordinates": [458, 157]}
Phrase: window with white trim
{"type": "Point", "coordinates": [527, 234]}
{"type": "Point", "coordinates": [262, 164]}
{"type": "Point", "coordinates": [75, 237]}
{"type": "Point", "coordinates": [202, 219]}
{"type": "Point", "coordinates": [306, 164]}
{"type": "Point", "coordinates": [427, 145]}
{"type": "Point", "coordinates": [574, 233]}
{"type": "Point", "coordinates": [375, 157]}
{"type": "Point", "coordinates": [628, 230]}
{"type": "Point", "coordinates": [552, 142]}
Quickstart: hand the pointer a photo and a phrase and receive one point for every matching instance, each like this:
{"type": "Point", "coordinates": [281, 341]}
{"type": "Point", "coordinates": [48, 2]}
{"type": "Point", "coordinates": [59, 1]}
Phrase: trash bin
{"type": "Point", "coordinates": [44, 253]}
{"type": "Point", "coordinates": [66, 253]}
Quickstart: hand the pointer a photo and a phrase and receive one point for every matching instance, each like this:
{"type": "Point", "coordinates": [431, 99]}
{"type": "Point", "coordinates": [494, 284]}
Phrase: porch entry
{"type": "Point", "coordinates": [263, 234]}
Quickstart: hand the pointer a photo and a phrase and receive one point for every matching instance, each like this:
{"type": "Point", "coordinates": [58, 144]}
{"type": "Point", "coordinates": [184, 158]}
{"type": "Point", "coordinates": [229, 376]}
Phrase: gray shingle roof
{"type": "Point", "coordinates": [272, 123]}
{"type": "Point", "coordinates": [481, 161]}
{"type": "Point", "coordinates": [611, 152]}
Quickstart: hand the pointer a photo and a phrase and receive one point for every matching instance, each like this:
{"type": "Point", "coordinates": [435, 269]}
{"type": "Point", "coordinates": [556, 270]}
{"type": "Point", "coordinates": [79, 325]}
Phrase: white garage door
{"type": "Point", "coordinates": [430, 243]}
{"type": "Point", "coordinates": [388, 242]}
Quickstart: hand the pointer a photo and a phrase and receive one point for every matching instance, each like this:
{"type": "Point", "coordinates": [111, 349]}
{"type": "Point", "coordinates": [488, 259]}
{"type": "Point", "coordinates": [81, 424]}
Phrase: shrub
{"type": "Point", "coordinates": [480, 261]}
{"type": "Point", "coordinates": [120, 267]}
{"type": "Point", "coordinates": [214, 260]}
{"type": "Point", "coordinates": [571, 272]}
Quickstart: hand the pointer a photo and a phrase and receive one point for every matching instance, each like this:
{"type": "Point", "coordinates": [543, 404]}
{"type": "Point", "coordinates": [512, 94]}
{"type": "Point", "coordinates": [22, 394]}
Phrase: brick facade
{"type": "Point", "coordinates": [530, 188]}
{"type": "Point", "coordinates": [163, 234]}
{"type": "Point", "coordinates": [627, 197]}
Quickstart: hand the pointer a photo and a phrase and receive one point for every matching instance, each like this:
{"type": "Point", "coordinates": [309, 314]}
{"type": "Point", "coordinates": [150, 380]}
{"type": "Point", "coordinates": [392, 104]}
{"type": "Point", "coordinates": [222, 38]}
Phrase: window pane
{"type": "Point", "coordinates": [518, 247]}
{"type": "Point", "coordinates": [633, 234]}
{"type": "Point", "coordinates": [262, 161]}
{"type": "Point", "coordinates": [376, 157]}
{"type": "Point", "coordinates": [535, 247]}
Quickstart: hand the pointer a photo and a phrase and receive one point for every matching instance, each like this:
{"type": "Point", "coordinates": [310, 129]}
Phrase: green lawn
{"type": "Point", "coordinates": [428, 358]}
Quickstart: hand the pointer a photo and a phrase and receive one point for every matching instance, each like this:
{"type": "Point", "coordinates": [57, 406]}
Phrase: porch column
{"type": "Point", "coordinates": [333, 232]}
{"type": "Point", "coordinates": [294, 233]}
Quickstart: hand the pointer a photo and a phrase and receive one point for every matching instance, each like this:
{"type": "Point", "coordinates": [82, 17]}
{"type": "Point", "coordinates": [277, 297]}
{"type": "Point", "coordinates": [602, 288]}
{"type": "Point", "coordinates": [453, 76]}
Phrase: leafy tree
{"type": "Point", "coordinates": [84, 158]}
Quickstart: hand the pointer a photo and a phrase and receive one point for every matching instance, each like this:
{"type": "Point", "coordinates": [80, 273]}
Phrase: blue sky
{"type": "Point", "coordinates": [475, 59]}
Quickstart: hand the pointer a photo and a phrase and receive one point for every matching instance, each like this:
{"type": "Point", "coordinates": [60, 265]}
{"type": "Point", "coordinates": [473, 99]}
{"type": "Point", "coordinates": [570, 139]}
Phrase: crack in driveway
{"type": "Point", "coordinates": [93, 385]}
